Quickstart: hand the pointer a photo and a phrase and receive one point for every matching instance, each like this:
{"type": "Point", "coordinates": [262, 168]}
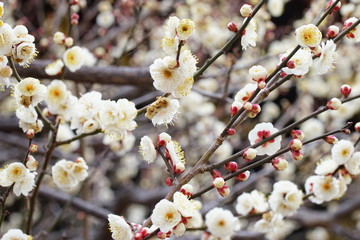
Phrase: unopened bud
{"type": "Point", "coordinates": [332, 31]}
{"type": "Point", "coordinates": [235, 107]}
{"type": "Point", "coordinates": [346, 131]}
{"type": "Point", "coordinates": [256, 108]}
{"type": "Point", "coordinates": [219, 182]}
{"type": "Point", "coordinates": [345, 90]}
{"type": "Point", "coordinates": [169, 181]}
{"type": "Point", "coordinates": [357, 127]}
{"type": "Point", "coordinates": [215, 174]}
{"type": "Point", "coordinates": [161, 235]}
{"type": "Point", "coordinates": [246, 10]}
{"type": "Point", "coordinates": [187, 190]}
{"type": "Point", "coordinates": [225, 191]}
{"type": "Point", "coordinates": [333, 104]}
{"type": "Point", "coordinates": [295, 144]}
{"type": "Point", "coordinates": [30, 133]}
{"type": "Point", "coordinates": [243, 176]}
{"type": "Point", "coordinates": [297, 134]}
{"type": "Point", "coordinates": [331, 139]}
{"type": "Point", "coordinates": [179, 168]}
{"type": "Point", "coordinates": [33, 148]}
{"type": "Point", "coordinates": [279, 163]}
{"type": "Point", "coordinates": [249, 154]}
{"type": "Point", "coordinates": [163, 139]}
{"type": "Point", "coordinates": [252, 114]}
{"type": "Point", "coordinates": [337, 6]}
{"type": "Point", "coordinates": [283, 74]}
{"type": "Point", "coordinates": [232, 27]}
{"type": "Point", "coordinates": [75, 19]}
{"type": "Point", "coordinates": [258, 73]}
{"type": "Point", "coordinates": [231, 166]}
{"type": "Point", "coordinates": [261, 84]}
{"type": "Point", "coordinates": [231, 131]}
{"type": "Point", "coordinates": [297, 155]}
{"type": "Point", "coordinates": [248, 106]}
{"type": "Point", "coordinates": [59, 38]}
{"type": "Point", "coordinates": [69, 41]}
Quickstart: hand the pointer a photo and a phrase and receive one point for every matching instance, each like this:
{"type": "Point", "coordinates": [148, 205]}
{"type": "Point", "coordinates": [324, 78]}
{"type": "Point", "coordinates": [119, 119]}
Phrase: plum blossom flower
{"type": "Point", "coordinates": [147, 149]}
{"type": "Point", "coordinates": [353, 164]}
{"type": "Point", "coordinates": [221, 223]}
{"type": "Point", "coordinates": [15, 234]}
{"type": "Point", "coordinates": [261, 131]}
{"type": "Point", "coordinates": [302, 61]}
{"type": "Point", "coordinates": [245, 93]}
{"type": "Point", "coordinates": [162, 111]}
{"type": "Point", "coordinates": [165, 215]}
{"type": "Point", "coordinates": [324, 63]}
{"type": "Point", "coordinates": [341, 151]}
{"type": "Point", "coordinates": [323, 188]}
{"type": "Point", "coordinates": [249, 35]}
{"type": "Point", "coordinates": [308, 35]}
{"type": "Point", "coordinates": [254, 202]}
{"type": "Point", "coordinates": [74, 58]}
{"type": "Point", "coordinates": [285, 198]}
{"type": "Point", "coordinates": [119, 228]}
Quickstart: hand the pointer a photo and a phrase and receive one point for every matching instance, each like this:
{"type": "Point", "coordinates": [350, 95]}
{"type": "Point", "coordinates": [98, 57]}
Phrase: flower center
{"type": "Point", "coordinates": [262, 135]}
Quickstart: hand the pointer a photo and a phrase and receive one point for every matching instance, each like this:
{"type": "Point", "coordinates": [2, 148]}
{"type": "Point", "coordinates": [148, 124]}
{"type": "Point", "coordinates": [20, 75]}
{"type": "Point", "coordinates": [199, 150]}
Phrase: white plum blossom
{"type": "Point", "coordinates": [54, 68]}
{"type": "Point", "coordinates": [29, 92]}
{"type": "Point", "coordinates": [162, 111]}
{"type": "Point", "coordinates": [165, 215]}
{"type": "Point", "coordinates": [308, 35]}
{"type": "Point", "coordinates": [302, 61]}
{"type": "Point", "coordinates": [324, 63]}
{"type": "Point", "coordinates": [184, 205]}
{"type": "Point", "coordinates": [353, 164]}
{"type": "Point", "coordinates": [119, 228]}
{"type": "Point", "coordinates": [15, 234]}
{"type": "Point", "coordinates": [221, 223]}
{"type": "Point", "coordinates": [67, 174]}
{"type": "Point", "coordinates": [8, 37]}
{"type": "Point", "coordinates": [326, 166]}
{"type": "Point", "coordinates": [245, 93]}
{"type": "Point", "coordinates": [250, 36]}
{"type": "Point", "coordinates": [323, 188]}
{"type": "Point", "coordinates": [254, 202]}
{"type": "Point", "coordinates": [185, 28]}
{"type": "Point", "coordinates": [147, 149]}
{"type": "Point", "coordinates": [285, 198]}
{"type": "Point", "coordinates": [261, 131]}
{"type": "Point", "coordinates": [74, 58]}
{"type": "Point", "coordinates": [341, 151]}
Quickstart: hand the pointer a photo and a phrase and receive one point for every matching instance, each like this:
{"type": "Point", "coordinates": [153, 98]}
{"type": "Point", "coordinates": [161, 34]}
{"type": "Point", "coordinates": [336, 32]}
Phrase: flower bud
{"type": "Point", "coordinates": [231, 131]}
{"type": "Point", "coordinates": [31, 163]}
{"type": "Point", "coordinates": [279, 163]}
{"type": "Point", "coordinates": [333, 104]}
{"type": "Point", "coordinates": [297, 134]}
{"type": "Point", "coordinates": [246, 10]}
{"type": "Point", "coordinates": [248, 106]}
{"type": "Point", "coordinates": [258, 73]}
{"type": "Point", "coordinates": [346, 131]}
{"type": "Point", "coordinates": [161, 235]}
{"type": "Point", "coordinates": [219, 182]}
{"type": "Point", "coordinates": [337, 6]}
{"type": "Point", "coordinates": [232, 27]}
{"type": "Point", "coordinates": [357, 127]}
{"type": "Point", "coordinates": [255, 108]}
{"type": "Point", "coordinates": [295, 144]}
{"type": "Point", "coordinates": [331, 139]}
{"type": "Point", "coordinates": [179, 168]}
{"type": "Point", "coordinates": [69, 41]}
{"type": "Point", "coordinates": [345, 90]}
{"type": "Point", "coordinates": [169, 181]}
{"type": "Point", "coordinates": [249, 154]}
{"type": "Point", "coordinates": [187, 190]}
{"type": "Point", "coordinates": [231, 166]}
{"type": "Point", "coordinates": [75, 19]}
{"type": "Point", "coordinates": [243, 176]}
{"type": "Point", "coordinates": [235, 107]}
{"type": "Point", "coordinates": [332, 31]}
{"type": "Point", "coordinates": [261, 84]}
{"type": "Point", "coordinates": [30, 133]}
{"type": "Point", "coordinates": [215, 174]}
{"type": "Point", "coordinates": [252, 114]}
{"type": "Point", "coordinates": [297, 155]}
{"type": "Point", "coordinates": [163, 139]}
{"type": "Point", "coordinates": [59, 38]}
{"type": "Point", "coordinates": [225, 191]}
{"type": "Point", "coordinates": [33, 148]}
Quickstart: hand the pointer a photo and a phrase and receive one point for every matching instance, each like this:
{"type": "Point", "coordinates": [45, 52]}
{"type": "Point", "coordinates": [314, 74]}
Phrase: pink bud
{"type": "Point", "coordinates": [215, 174]}
{"type": "Point", "coordinates": [357, 127]}
{"type": "Point", "coordinates": [346, 131]}
{"type": "Point", "coordinates": [333, 104]}
{"type": "Point", "coordinates": [279, 163]}
{"type": "Point", "coordinates": [297, 134]}
{"type": "Point", "coordinates": [235, 107]}
{"type": "Point", "coordinates": [179, 168]}
{"type": "Point", "coordinates": [30, 133]}
{"type": "Point", "coordinates": [231, 166]}
{"type": "Point", "coordinates": [169, 181]}
{"type": "Point", "coordinates": [187, 190]}
{"type": "Point", "coordinates": [295, 144]}
{"type": "Point", "coordinates": [345, 90]}
{"type": "Point", "coordinates": [243, 176]}
{"type": "Point", "coordinates": [33, 148]}
{"type": "Point", "coordinates": [224, 191]}
{"type": "Point", "coordinates": [283, 74]}
{"type": "Point", "coordinates": [75, 19]}
{"type": "Point", "coordinates": [261, 84]}
{"type": "Point", "coordinates": [161, 235]}
{"type": "Point", "coordinates": [232, 27]}
{"type": "Point", "coordinates": [297, 155]}
{"type": "Point", "coordinates": [332, 31]}
{"type": "Point", "coordinates": [255, 108]}
{"type": "Point", "coordinates": [336, 8]}
{"type": "Point", "coordinates": [291, 64]}
{"type": "Point", "coordinates": [331, 139]}
{"type": "Point", "coordinates": [249, 154]}
{"type": "Point", "coordinates": [231, 131]}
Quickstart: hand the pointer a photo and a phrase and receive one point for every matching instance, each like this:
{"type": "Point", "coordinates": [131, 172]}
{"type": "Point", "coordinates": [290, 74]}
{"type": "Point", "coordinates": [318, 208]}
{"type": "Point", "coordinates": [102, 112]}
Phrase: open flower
{"type": "Point", "coordinates": [165, 215]}
{"type": "Point", "coordinates": [74, 58]}
{"type": "Point", "coordinates": [249, 35]}
{"type": "Point", "coordinates": [341, 151]}
{"type": "Point", "coordinates": [301, 62]}
{"type": "Point", "coordinates": [15, 234]}
{"type": "Point", "coordinates": [119, 228]}
{"type": "Point", "coordinates": [185, 29]}
{"type": "Point", "coordinates": [162, 111]}
{"type": "Point", "coordinates": [261, 131]}
{"type": "Point", "coordinates": [308, 35]}
{"type": "Point", "coordinates": [147, 149]}
{"type": "Point", "coordinates": [324, 63]}
{"type": "Point", "coordinates": [221, 223]}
